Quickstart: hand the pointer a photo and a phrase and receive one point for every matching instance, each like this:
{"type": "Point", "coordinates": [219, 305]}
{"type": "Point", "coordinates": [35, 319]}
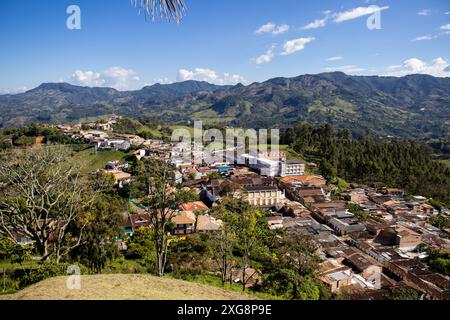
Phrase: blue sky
{"type": "Point", "coordinates": [218, 41]}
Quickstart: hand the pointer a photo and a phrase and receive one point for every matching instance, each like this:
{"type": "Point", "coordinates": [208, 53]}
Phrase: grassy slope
{"type": "Point", "coordinates": [125, 287]}
{"type": "Point", "coordinates": [92, 161]}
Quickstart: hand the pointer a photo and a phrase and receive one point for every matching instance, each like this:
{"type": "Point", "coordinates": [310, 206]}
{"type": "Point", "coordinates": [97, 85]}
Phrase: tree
{"type": "Point", "coordinates": [41, 196]}
{"type": "Point", "coordinates": [250, 228]}
{"type": "Point", "coordinates": [14, 252]}
{"type": "Point", "coordinates": [171, 9]}
{"type": "Point", "coordinates": [297, 252]}
{"type": "Point", "coordinates": [142, 246]}
{"type": "Point", "coordinates": [292, 271]}
{"type": "Point", "coordinates": [162, 202]}
{"type": "Point", "coordinates": [440, 221]}
{"type": "Point", "coordinates": [402, 294]}
{"type": "Point", "coordinates": [98, 245]}
{"type": "Point", "coordinates": [222, 244]}
{"type": "Point", "coordinates": [214, 176]}
{"type": "Point", "coordinates": [103, 182]}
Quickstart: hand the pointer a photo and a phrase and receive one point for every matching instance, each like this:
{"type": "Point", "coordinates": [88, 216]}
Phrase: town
{"type": "Point", "coordinates": [370, 238]}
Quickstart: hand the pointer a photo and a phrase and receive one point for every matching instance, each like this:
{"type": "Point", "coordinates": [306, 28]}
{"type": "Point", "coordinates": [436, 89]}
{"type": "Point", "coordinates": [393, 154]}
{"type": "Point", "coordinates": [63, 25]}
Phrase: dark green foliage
{"type": "Point", "coordinates": [440, 221]}
{"type": "Point", "coordinates": [189, 257]}
{"type": "Point", "coordinates": [13, 252]}
{"type": "Point", "coordinates": [402, 294]}
{"type": "Point", "coordinates": [44, 271]}
{"type": "Point", "coordinates": [439, 261]}
{"type": "Point", "coordinates": [100, 234]}
{"type": "Point", "coordinates": [142, 247]}
{"type": "Point", "coordinates": [398, 163]}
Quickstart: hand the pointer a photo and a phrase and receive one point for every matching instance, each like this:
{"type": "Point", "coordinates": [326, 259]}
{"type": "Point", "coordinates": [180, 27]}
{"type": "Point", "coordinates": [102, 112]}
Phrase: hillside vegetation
{"type": "Point", "coordinates": [415, 106]}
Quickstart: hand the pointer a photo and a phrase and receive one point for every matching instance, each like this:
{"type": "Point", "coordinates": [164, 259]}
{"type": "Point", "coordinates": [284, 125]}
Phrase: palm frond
{"type": "Point", "coordinates": [169, 9]}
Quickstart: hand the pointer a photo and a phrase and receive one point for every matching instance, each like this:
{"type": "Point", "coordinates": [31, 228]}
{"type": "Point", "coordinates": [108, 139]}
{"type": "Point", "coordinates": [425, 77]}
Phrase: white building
{"type": "Point", "coordinates": [272, 168]}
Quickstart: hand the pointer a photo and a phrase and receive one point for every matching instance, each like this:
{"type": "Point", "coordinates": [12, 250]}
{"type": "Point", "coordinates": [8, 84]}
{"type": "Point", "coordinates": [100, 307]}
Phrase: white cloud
{"type": "Point", "coordinates": [422, 38]}
{"type": "Point", "coordinates": [273, 28]}
{"type": "Point", "coordinates": [357, 12]}
{"type": "Point", "coordinates": [115, 77]}
{"type": "Point", "coordinates": [208, 75]}
{"type": "Point", "coordinates": [88, 78]}
{"type": "Point", "coordinates": [295, 45]}
{"type": "Point", "coordinates": [281, 29]}
{"type": "Point", "coordinates": [346, 69]}
{"type": "Point", "coordinates": [446, 27]}
{"type": "Point", "coordinates": [335, 58]}
{"type": "Point", "coordinates": [431, 37]}
{"type": "Point", "coordinates": [266, 57]}
{"type": "Point", "coordinates": [424, 12]}
{"type": "Point", "coordinates": [318, 23]}
{"type": "Point", "coordinates": [13, 90]}
{"type": "Point", "coordinates": [438, 67]}
{"type": "Point", "coordinates": [447, 12]}
{"type": "Point", "coordinates": [159, 81]}
{"type": "Point", "coordinates": [268, 27]}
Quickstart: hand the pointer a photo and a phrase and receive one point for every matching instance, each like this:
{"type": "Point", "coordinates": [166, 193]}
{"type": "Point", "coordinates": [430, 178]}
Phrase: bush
{"type": "Point", "coordinates": [44, 271]}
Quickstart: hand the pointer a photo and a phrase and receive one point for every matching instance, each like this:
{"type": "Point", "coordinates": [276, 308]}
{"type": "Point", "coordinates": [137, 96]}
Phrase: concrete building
{"type": "Point", "coordinates": [263, 196]}
{"type": "Point", "coordinates": [292, 168]}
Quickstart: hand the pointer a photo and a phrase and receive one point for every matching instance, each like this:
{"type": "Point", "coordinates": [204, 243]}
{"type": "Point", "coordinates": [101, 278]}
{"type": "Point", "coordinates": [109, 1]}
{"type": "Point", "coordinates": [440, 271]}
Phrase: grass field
{"type": "Point", "coordinates": [92, 161]}
{"type": "Point", "coordinates": [125, 287]}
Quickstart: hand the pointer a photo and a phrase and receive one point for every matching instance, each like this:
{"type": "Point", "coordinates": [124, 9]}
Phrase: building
{"type": "Point", "coordinates": [207, 223]}
{"type": "Point", "coordinates": [263, 196]}
{"type": "Point", "coordinates": [402, 237]}
{"type": "Point", "coordinates": [346, 226]}
{"type": "Point", "coordinates": [364, 265]}
{"type": "Point", "coordinates": [184, 224]}
{"type": "Point", "coordinates": [292, 168]}
{"type": "Point", "coordinates": [270, 167]}
{"type": "Point", "coordinates": [335, 275]}
{"type": "Point", "coordinates": [194, 206]}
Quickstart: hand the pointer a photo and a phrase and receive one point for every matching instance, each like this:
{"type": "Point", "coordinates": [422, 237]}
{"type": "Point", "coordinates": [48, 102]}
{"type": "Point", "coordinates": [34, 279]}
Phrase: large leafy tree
{"type": "Point", "coordinates": [248, 227]}
{"type": "Point", "coordinates": [162, 202]}
{"type": "Point", "coordinates": [98, 245]}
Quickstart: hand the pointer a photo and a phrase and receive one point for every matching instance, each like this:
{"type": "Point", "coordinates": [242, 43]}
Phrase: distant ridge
{"type": "Point", "coordinates": [410, 107]}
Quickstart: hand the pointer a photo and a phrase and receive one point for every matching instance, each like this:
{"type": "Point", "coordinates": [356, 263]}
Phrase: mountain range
{"type": "Point", "coordinates": [414, 106]}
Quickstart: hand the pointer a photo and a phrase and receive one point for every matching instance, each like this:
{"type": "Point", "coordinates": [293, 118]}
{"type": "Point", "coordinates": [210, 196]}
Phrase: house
{"type": "Point", "coordinates": [335, 275]}
{"type": "Point", "coordinates": [207, 223]}
{"type": "Point", "coordinates": [364, 265]}
{"type": "Point", "coordinates": [396, 193]}
{"type": "Point", "coordinates": [194, 206]}
{"type": "Point", "coordinates": [417, 275]}
{"type": "Point", "coordinates": [135, 221]}
{"type": "Point", "coordinates": [304, 181]}
{"type": "Point", "coordinates": [346, 226]}
{"type": "Point", "coordinates": [184, 223]}
{"type": "Point", "coordinates": [120, 177]}
{"type": "Point", "coordinates": [406, 239]}
{"type": "Point", "coordinates": [139, 154]}
{"type": "Point", "coordinates": [275, 222]}
{"type": "Point", "coordinates": [251, 277]}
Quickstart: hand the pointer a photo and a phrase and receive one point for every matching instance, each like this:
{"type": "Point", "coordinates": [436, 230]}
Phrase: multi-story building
{"type": "Point", "coordinates": [263, 196]}
{"type": "Point", "coordinates": [272, 168]}
{"type": "Point", "coordinates": [292, 168]}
